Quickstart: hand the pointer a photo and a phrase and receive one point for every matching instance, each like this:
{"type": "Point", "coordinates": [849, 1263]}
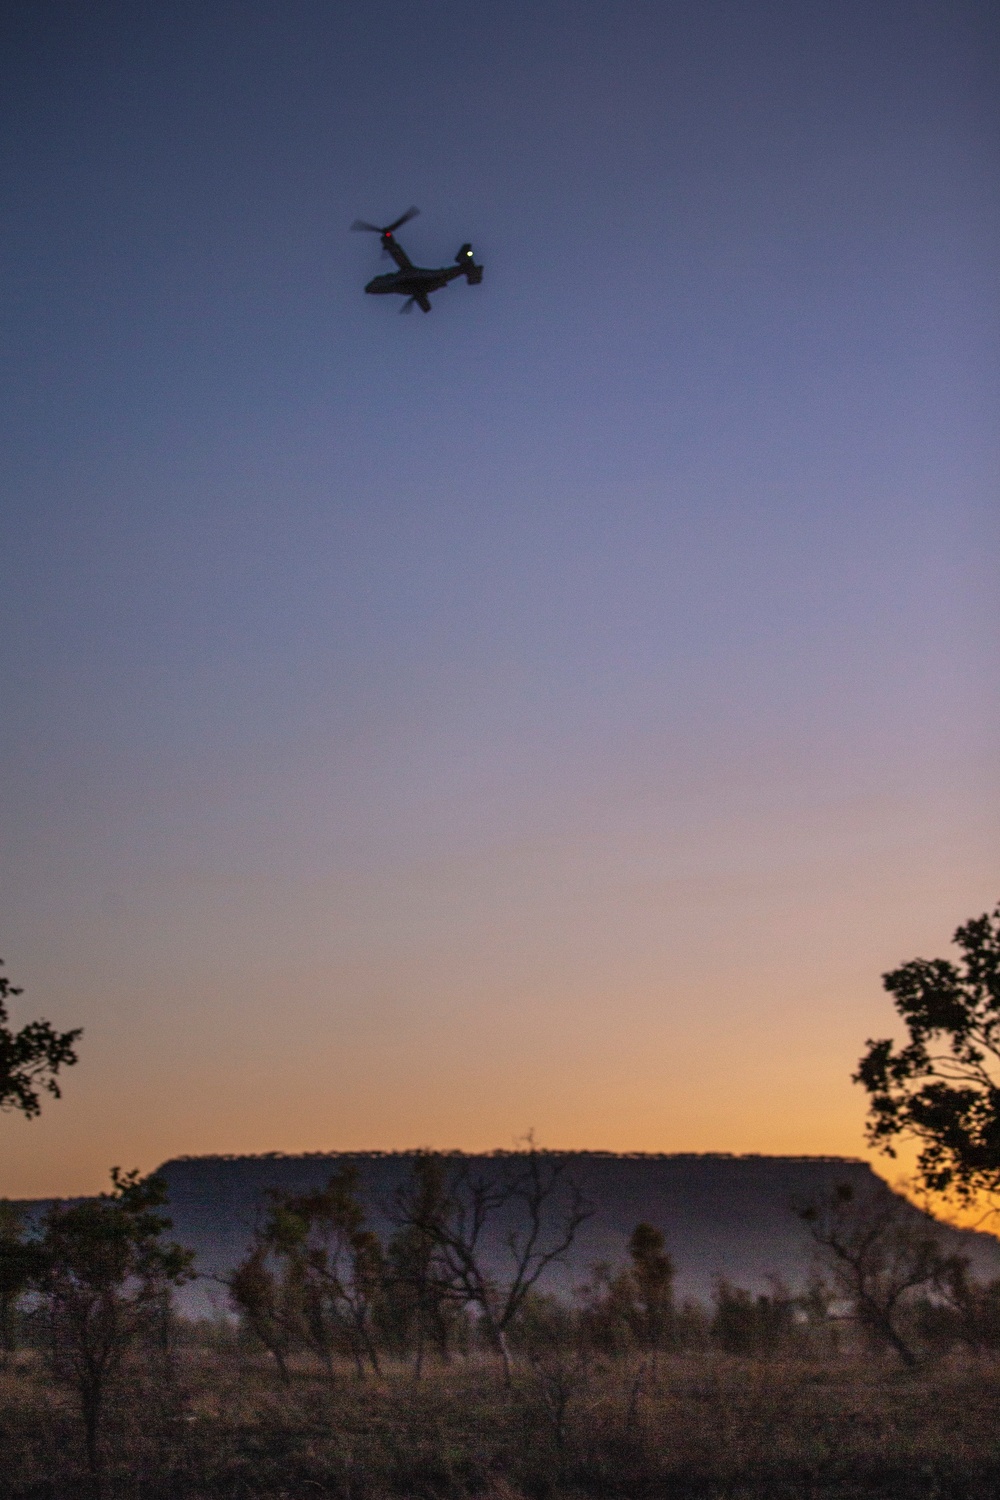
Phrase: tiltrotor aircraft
{"type": "Point", "coordinates": [416, 283]}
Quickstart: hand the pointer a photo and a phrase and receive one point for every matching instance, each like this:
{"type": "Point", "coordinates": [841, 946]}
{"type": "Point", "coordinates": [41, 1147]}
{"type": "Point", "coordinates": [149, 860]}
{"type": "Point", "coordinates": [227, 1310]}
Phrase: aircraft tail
{"type": "Point", "coordinates": [467, 261]}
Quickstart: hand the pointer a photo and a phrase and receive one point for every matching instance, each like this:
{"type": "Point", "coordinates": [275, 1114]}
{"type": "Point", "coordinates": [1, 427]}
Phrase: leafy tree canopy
{"type": "Point", "coordinates": [942, 1088]}
{"type": "Point", "coordinates": [112, 1244]}
{"type": "Point", "coordinates": [30, 1058]}
{"type": "Point", "coordinates": [104, 1277]}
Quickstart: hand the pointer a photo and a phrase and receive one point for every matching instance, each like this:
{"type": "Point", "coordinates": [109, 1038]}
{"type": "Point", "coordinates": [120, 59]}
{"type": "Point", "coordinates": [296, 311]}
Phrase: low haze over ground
{"type": "Point", "coordinates": [556, 710]}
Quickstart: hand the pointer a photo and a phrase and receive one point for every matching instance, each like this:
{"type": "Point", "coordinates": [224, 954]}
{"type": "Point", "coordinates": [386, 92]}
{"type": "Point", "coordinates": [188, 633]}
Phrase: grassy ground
{"type": "Point", "coordinates": [698, 1426]}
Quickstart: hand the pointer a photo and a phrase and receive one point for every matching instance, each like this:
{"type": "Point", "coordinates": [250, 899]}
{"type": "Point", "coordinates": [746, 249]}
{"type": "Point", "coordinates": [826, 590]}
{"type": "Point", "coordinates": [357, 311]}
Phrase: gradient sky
{"type": "Point", "coordinates": [553, 712]}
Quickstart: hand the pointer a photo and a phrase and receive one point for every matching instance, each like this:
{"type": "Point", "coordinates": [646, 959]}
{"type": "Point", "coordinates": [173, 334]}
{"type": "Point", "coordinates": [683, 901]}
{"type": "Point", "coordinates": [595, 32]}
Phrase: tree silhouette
{"type": "Point", "coordinates": [419, 1305]}
{"type": "Point", "coordinates": [880, 1252]}
{"type": "Point", "coordinates": [652, 1278]}
{"type": "Point", "coordinates": [20, 1263]}
{"type": "Point", "coordinates": [30, 1058]}
{"type": "Point", "coordinates": [270, 1305]}
{"type": "Point", "coordinates": [528, 1201]}
{"type": "Point", "coordinates": [942, 1088]}
{"type": "Point", "coordinates": [314, 1276]}
{"type": "Point", "coordinates": [336, 1260]}
{"type": "Point", "coordinates": [104, 1275]}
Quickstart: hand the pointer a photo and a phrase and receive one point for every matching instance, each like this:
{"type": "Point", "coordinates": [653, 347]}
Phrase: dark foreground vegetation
{"type": "Point", "coordinates": [429, 1360]}
{"type": "Point", "coordinates": [706, 1424]}
{"type": "Point", "coordinates": [418, 1365]}
{"type": "Point", "coordinates": [354, 1373]}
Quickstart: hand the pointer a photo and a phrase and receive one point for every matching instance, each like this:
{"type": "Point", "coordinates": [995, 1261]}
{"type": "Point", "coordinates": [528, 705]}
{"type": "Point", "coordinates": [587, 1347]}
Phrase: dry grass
{"type": "Point", "coordinates": [698, 1426]}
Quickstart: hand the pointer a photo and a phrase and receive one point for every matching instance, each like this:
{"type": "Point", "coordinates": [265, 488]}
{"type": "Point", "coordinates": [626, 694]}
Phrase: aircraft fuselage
{"type": "Point", "coordinates": [414, 281]}
{"type": "Point", "coordinates": [417, 282]}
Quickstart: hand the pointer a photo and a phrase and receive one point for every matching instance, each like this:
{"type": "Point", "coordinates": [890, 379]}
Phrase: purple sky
{"type": "Point", "coordinates": [555, 711]}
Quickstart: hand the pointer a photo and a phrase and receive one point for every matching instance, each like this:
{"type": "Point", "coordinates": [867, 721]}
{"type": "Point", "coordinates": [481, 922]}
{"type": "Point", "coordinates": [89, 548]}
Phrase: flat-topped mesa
{"type": "Point", "coordinates": [721, 1215]}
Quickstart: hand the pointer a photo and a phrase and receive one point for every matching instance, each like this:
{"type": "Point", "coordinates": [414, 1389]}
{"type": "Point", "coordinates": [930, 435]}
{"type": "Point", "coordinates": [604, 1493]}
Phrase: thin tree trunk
{"type": "Point", "coordinates": [8, 1334]}
{"type": "Point", "coordinates": [881, 1323]}
{"type": "Point", "coordinates": [90, 1404]}
{"type": "Point", "coordinates": [903, 1350]}
{"type": "Point", "coordinates": [369, 1344]}
{"type": "Point", "coordinates": [503, 1349]}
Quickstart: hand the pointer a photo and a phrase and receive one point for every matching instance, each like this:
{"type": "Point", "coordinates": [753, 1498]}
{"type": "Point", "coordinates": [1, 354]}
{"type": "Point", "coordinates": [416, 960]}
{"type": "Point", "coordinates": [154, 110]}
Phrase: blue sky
{"type": "Point", "coordinates": [554, 711]}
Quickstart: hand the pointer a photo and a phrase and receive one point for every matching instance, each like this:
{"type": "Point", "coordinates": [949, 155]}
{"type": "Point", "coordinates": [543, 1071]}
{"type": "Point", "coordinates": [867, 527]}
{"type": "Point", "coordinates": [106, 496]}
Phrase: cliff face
{"type": "Point", "coordinates": [726, 1216]}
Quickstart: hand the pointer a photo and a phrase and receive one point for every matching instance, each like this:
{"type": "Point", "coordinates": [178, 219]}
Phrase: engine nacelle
{"type": "Point", "coordinates": [466, 259]}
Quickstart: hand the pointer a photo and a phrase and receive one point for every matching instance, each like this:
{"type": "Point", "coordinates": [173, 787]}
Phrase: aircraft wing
{"type": "Point", "coordinates": [399, 255]}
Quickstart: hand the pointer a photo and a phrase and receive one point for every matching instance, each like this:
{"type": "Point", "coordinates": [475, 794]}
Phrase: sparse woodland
{"type": "Point", "coordinates": [357, 1369]}
{"type": "Point", "coordinates": [361, 1366]}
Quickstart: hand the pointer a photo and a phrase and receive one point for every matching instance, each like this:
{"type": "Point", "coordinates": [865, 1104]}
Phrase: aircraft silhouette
{"type": "Point", "coordinates": [416, 283]}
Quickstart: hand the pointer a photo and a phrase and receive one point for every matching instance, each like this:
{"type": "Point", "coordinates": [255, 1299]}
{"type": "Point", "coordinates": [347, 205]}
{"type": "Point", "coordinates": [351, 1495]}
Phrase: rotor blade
{"type": "Point", "coordinates": [362, 224]}
{"type": "Point", "coordinates": [411, 213]}
{"type": "Point", "coordinates": [407, 306]}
